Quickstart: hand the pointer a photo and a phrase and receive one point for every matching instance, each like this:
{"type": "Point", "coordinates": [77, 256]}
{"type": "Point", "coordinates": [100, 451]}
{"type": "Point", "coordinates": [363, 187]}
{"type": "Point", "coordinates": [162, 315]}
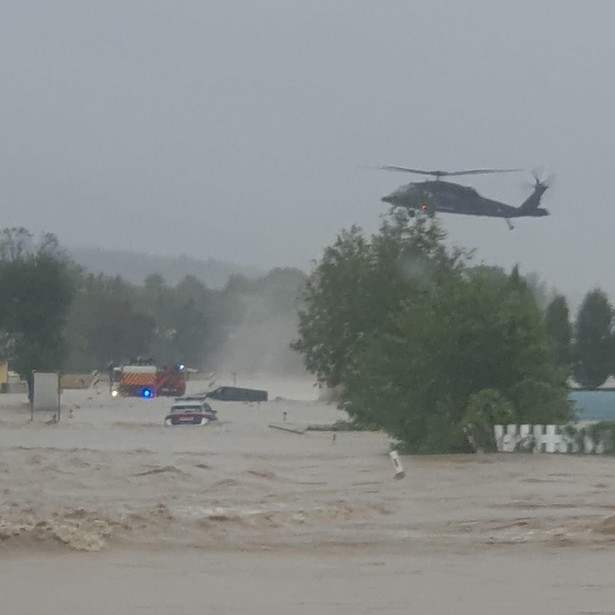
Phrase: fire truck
{"type": "Point", "coordinates": [142, 378]}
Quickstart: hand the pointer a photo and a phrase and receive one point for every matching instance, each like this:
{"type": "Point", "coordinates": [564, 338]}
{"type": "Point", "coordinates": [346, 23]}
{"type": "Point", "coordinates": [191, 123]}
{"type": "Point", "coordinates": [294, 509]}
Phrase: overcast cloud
{"type": "Point", "coordinates": [242, 130]}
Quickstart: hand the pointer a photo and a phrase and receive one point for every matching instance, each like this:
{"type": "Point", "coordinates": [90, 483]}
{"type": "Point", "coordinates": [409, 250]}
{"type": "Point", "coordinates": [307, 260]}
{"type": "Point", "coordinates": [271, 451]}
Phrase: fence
{"type": "Point", "coordinates": [572, 438]}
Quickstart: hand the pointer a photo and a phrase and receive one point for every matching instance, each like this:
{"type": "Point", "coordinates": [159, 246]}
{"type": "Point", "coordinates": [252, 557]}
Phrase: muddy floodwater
{"type": "Point", "coordinates": [110, 511]}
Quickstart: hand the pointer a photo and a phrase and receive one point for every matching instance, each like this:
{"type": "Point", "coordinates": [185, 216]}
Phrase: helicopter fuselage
{"type": "Point", "coordinates": [438, 195]}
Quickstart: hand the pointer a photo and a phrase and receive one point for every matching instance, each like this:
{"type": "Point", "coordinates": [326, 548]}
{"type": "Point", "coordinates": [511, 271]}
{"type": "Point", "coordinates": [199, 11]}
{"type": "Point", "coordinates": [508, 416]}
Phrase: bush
{"type": "Point", "coordinates": [486, 409]}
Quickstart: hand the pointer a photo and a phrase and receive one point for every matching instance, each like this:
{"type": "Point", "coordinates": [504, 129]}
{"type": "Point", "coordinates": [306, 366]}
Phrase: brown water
{"type": "Point", "coordinates": [178, 582]}
{"type": "Point", "coordinates": [111, 512]}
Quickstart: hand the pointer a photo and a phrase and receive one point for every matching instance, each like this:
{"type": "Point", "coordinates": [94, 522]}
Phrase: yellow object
{"type": "Point", "coordinates": [4, 372]}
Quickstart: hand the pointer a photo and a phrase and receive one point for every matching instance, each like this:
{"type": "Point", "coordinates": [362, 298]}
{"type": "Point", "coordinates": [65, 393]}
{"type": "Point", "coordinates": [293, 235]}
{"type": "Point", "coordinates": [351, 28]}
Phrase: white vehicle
{"type": "Point", "coordinates": [190, 411]}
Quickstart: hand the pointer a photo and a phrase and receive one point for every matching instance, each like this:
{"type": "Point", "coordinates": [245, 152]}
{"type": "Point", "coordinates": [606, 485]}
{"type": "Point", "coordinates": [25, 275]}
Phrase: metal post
{"type": "Point", "coordinates": [31, 394]}
{"type": "Point", "coordinates": [59, 396]}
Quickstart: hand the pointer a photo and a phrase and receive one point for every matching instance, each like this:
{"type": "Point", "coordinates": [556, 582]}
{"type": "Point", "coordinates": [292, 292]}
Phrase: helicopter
{"type": "Point", "coordinates": [436, 195]}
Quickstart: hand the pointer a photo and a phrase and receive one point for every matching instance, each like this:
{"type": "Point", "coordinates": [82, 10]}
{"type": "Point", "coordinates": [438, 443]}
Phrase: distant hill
{"type": "Point", "coordinates": [136, 266]}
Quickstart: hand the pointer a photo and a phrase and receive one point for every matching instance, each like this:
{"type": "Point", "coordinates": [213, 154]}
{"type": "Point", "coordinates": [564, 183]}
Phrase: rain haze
{"type": "Point", "coordinates": [249, 134]}
{"type": "Point", "coordinates": [245, 131]}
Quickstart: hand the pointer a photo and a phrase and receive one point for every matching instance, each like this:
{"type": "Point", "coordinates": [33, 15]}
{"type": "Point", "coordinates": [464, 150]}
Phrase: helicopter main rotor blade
{"type": "Point", "coordinates": [482, 171]}
{"type": "Point", "coordinates": [406, 170]}
{"type": "Point", "coordinates": [448, 173]}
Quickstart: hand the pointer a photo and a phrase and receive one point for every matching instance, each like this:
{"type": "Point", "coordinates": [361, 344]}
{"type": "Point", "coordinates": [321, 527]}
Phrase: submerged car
{"type": "Point", "coordinates": [227, 393]}
{"type": "Point", "coordinates": [190, 411]}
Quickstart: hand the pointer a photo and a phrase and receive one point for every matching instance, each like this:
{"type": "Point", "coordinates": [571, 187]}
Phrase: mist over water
{"type": "Point", "coordinates": [261, 344]}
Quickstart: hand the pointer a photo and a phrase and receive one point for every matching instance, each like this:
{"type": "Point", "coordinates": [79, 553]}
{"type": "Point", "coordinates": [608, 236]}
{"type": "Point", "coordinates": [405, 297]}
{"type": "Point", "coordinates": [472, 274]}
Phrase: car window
{"type": "Point", "coordinates": [187, 409]}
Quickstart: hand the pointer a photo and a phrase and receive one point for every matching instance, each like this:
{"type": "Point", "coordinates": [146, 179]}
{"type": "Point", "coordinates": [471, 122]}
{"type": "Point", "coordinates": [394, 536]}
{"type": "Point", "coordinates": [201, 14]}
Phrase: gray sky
{"type": "Point", "coordinates": [241, 130]}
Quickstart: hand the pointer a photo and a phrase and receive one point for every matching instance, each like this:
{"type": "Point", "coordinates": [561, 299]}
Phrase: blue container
{"type": "Point", "coordinates": [596, 405]}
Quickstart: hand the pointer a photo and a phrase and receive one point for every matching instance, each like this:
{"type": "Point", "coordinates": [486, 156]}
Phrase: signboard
{"type": "Point", "coordinates": [46, 387]}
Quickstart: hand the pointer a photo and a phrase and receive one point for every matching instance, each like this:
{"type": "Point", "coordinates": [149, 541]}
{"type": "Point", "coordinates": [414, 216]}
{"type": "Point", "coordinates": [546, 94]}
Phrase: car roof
{"type": "Point", "coordinates": [189, 404]}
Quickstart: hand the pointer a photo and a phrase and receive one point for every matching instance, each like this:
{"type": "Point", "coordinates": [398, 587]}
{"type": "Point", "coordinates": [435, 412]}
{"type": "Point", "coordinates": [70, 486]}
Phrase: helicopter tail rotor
{"type": "Point", "coordinates": [547, 182]}
{"type": "Point", "coordinates": [539, 180]}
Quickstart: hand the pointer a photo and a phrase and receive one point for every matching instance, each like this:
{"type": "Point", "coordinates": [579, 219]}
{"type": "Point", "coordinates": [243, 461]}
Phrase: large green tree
{"type": "Point", "coordinates": [35, 295]}
{"type": "Point", "coordinates": [594, 342]}
{"type": "Point", "coordinates": [559, 329]}
{"type": "Point", "coordinates": [411, 333]}
{"type": "Point", "coordinates": [105, 324]}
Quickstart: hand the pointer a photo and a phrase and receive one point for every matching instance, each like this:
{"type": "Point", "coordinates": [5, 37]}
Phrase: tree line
{"type": "Point", "coordinates": [56, 316]}
{"type": "Point", "coordinates": [418, 339]}
{"type": "Point", "coordinates": [585, 348]}
{"type": "Point", "coordinates": [435, 350]}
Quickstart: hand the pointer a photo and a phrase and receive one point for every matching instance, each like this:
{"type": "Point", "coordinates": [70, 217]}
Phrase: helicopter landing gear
{"type": "Point", "coordinates": [509, 224]}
